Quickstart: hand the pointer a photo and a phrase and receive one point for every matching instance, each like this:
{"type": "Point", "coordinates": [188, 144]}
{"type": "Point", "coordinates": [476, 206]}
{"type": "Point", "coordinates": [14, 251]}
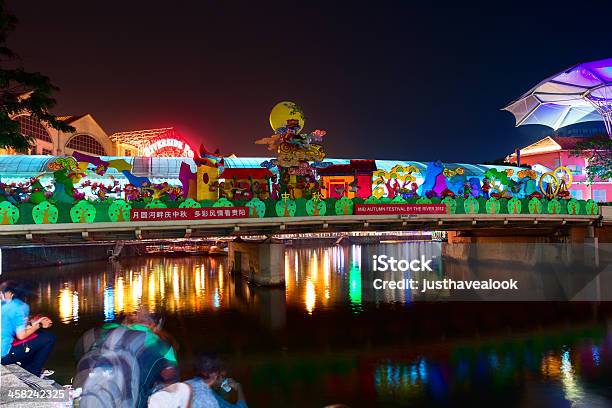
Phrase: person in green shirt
{"type": "Point", "coordinates": [125, 362]}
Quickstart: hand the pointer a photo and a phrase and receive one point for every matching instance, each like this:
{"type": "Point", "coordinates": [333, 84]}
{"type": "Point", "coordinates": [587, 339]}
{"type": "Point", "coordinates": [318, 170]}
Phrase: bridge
{"type": "Point", "coordinates": [262, 260]}
{"type": "Point", "coordinates": [497, 224]}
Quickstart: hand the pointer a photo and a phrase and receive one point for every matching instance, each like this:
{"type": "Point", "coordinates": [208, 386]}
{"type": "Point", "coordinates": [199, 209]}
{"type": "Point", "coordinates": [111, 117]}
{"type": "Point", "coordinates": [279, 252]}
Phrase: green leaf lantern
{"type": "Point", "coordinates": [257, 208]}
{"type": "Point", "coordinates": [451, 204]}
{"type": "Point", "coordinates": [573, 206]}
{"type": "Point", "coordinates": [493, 206]}
{"type": "Point", "coordinates": [398, 200]}
{"type": "Point", "coordinates": [423, 200]}
{"type": "Point", "coordinates": [344, 206]}
{"type": "Point", "coordinates": [316, 207]}
{"type": "Point", "coordinates": [83, 211]}
{"type": "Point", "coordinates": [554, 206]}
{"type": "Point", "coordinates": [285, 208]}
{"type": "Point", "coordinates": [119, 211]}
{"type": "Point", "coordinates": [471, 206]}
{"type": "Point", "coordinates": [190, 203]}
{"type": "Point", "coordinates": [371, 200]}
{"type": "Point", "coordinates": [9, 214]}
{"type": "Point", "coordinates": [156, 204]}
{"type": "Point", "coordinates": [45, 213]}
{"type": "Point", "coordinates": [591, 207]}
{"type": "Point", "coordinates": [535, 206]}
{"type": "Point", "coordinates": [514, 206]}
{"type": "Point", "coordinates": [223, 202]}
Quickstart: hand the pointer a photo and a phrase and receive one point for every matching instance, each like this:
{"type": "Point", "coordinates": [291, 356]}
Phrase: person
{"type": "Point", "coordinates": [23, 341]}
{"type": "Point", "coordinates": [123, 364]}
{"type": "Point", "coordinates": [208, 377]}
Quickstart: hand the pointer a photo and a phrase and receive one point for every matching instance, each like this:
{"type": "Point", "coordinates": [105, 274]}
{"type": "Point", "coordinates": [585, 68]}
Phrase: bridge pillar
{"type": "Point", "coordinates": [262, 263]}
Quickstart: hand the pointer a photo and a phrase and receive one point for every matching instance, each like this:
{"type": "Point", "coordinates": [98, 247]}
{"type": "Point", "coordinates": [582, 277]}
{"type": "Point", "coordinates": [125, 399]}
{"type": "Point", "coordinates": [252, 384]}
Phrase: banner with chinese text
{"type": "Point", "coordinates": [177, 214]}
{"type": "Point", "coordinates": [387, 209]}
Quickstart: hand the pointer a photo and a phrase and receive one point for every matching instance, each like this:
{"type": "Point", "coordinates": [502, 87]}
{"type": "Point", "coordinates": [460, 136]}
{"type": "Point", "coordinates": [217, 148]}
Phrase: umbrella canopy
{"type": "Point", "coordinates": [582, 93]}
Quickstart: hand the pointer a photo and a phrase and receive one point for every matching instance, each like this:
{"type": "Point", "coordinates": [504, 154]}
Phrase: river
{"type": "Point", "coordinates": [328, 337]}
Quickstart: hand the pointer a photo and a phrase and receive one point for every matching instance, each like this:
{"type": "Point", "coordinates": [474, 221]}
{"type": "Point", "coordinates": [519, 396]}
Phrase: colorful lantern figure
{"type": "Point", "coordinates": [209, 166]}
{"type": "Point", "coordinates": [395, 181]}
{"type": "Point", "coordinates": [297, 153]}
{"type": "Point", "coordinates": [564, 175]}
{"type": "Point", "coordinates": [66, 173]}
{"type": "Point", "coordinates": [549, 185]}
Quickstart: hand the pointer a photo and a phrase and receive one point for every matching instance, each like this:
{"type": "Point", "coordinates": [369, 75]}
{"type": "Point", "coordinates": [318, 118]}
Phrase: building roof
{"type": "Point", "coordinates": [169, 167]}
{"type": "Point", "coordinates": [568, 143]}
{"type": "Point", "coordinates": [552, 144]}
{"type": "Point", "coordinates": [353, 167]}
{"type": "Point", "coordinates": [141, 138]}
{"type": "Point", "coordinates": [71, 118]}
{"type": "Point", "coordinates": [245, 173]}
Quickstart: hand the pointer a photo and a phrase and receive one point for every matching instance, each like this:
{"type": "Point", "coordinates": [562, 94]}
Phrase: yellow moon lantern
{"type": "Point", "coordinates": [283, 111]}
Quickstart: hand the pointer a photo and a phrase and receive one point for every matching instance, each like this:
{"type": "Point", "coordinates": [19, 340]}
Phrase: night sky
{"type": "Point", "coordinates": [386, 79]}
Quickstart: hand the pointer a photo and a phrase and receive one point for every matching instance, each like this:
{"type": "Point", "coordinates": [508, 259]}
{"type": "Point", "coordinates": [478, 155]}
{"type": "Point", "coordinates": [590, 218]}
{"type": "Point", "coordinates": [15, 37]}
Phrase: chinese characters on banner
{"type": "Point", "coordinates": [386, 209]}
{"type": "Point", "coordinates": [176, 214]}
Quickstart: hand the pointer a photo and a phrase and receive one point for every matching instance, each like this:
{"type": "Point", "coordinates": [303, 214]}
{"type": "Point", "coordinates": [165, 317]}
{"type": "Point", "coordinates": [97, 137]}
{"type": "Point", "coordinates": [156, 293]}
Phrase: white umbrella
{"type": "Point", "coordinates": [582, 93]}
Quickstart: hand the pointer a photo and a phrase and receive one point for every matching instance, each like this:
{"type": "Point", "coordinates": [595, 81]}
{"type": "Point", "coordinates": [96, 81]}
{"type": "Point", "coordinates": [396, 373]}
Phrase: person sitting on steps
{"type": "Point", "coordinates": [23, 341]}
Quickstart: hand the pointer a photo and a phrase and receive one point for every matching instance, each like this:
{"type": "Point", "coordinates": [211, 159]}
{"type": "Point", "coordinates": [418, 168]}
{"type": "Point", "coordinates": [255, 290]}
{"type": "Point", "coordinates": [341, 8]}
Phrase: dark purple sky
{"type": "Point", "coordinates": [386, 79]}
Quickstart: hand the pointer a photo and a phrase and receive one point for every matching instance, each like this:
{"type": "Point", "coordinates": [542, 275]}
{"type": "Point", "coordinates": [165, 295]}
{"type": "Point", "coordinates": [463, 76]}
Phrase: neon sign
{"type": "Point", "coordinates": [181, 148]}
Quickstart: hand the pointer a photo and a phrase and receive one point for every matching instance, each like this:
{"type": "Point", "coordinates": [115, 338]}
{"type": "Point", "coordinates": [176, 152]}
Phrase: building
{"type": "Point", "coordinates": [90, 138]}
{"type": "Point", "coordinates": [164, 142]}
{"type": "Point", "coordinates": [554, 151]}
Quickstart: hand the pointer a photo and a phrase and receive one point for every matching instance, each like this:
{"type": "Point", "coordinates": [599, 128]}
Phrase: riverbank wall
{"type": "Point", "coordinates": [33, 255]}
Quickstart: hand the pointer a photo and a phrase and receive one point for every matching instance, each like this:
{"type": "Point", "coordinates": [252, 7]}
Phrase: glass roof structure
{"type": "Point", "coordinates": [581, 93]}
{"type": "Point", "coordinates": [24, 166]}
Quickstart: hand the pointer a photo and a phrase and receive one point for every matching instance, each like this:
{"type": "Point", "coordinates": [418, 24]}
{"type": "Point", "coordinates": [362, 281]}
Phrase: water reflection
{"type": "Point", "coordinates": [317, 279]}
{"type": "Point", "coordinates": [68, 304]}
{"type": "Point", "coordinates": [329, 337]}
{"type": "Point", "coordinates": [410, 380]}
{"type": "Point", "coordinates": [190, 284]}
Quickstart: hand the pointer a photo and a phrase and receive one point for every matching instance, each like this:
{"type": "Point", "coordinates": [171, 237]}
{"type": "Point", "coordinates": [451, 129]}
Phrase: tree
{"type": "Point", "coordinates": [83, 211]}
{"type": "Point", "coordinates": [22, 92]}
{"type": "Point", "coordinates": [285, 207]}
{"type": "Point", "coordinates": [597, 152]}
{"type": "Point", "coordinates": [190, 203]}
{"type": "Point", "coordinates": [514, 206]}
{"type": "Point", "coordinates": [9, 214]}
{"type": "Point", "coordinates": [257, 208]}
{"type": "Point", "coordinates": [45, 213]}
{"type": "Point", "coordinates": [344, 206]}
{"type": "Point", "coordinates": [451, 204]}
{"type": "Point", "coordinates": [156, 204]}
{"type": "Point", "coordinates": [119, 211]}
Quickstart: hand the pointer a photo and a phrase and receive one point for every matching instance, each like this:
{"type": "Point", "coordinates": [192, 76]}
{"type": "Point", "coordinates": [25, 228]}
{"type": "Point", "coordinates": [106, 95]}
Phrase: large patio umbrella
{"type": "Point", "coordinates": [582, 93]}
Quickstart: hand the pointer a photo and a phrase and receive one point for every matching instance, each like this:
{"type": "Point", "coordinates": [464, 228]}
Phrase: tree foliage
{"type": "Point", "coordinates": [119, 211]}
{"type": "Point", "coordinates": [22, 92]}
{"type": "Point", "coordinates": [83, 211]}
{"type": "Point", "coordinates": [598, 154]}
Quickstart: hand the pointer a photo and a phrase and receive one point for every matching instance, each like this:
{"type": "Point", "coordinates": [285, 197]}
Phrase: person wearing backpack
{"type": "Point", "coordinates": [125, 363]}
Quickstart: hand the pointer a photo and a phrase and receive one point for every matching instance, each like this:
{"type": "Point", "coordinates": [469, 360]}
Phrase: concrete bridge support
{"type": "Point", "coordinates": [510, 245]}
{"type": "Point", "coordinates": [262, 263]}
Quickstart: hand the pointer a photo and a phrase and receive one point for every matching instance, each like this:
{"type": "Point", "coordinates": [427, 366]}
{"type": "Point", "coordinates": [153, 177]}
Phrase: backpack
{"type": "Point", "coordinates": [109, 374]}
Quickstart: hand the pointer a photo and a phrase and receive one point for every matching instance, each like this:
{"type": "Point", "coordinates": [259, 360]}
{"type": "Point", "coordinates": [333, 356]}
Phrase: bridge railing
{"type": "Point", "coordinates": [122, 212]}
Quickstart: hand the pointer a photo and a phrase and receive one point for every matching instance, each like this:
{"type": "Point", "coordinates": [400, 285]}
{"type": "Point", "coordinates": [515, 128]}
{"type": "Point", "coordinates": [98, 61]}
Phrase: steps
{"type": "Point", "coordinates": [116, 252]}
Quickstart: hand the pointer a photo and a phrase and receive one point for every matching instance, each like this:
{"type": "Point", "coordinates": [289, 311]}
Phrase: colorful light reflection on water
{"type": "Point", "coordinates": [327, 337]}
